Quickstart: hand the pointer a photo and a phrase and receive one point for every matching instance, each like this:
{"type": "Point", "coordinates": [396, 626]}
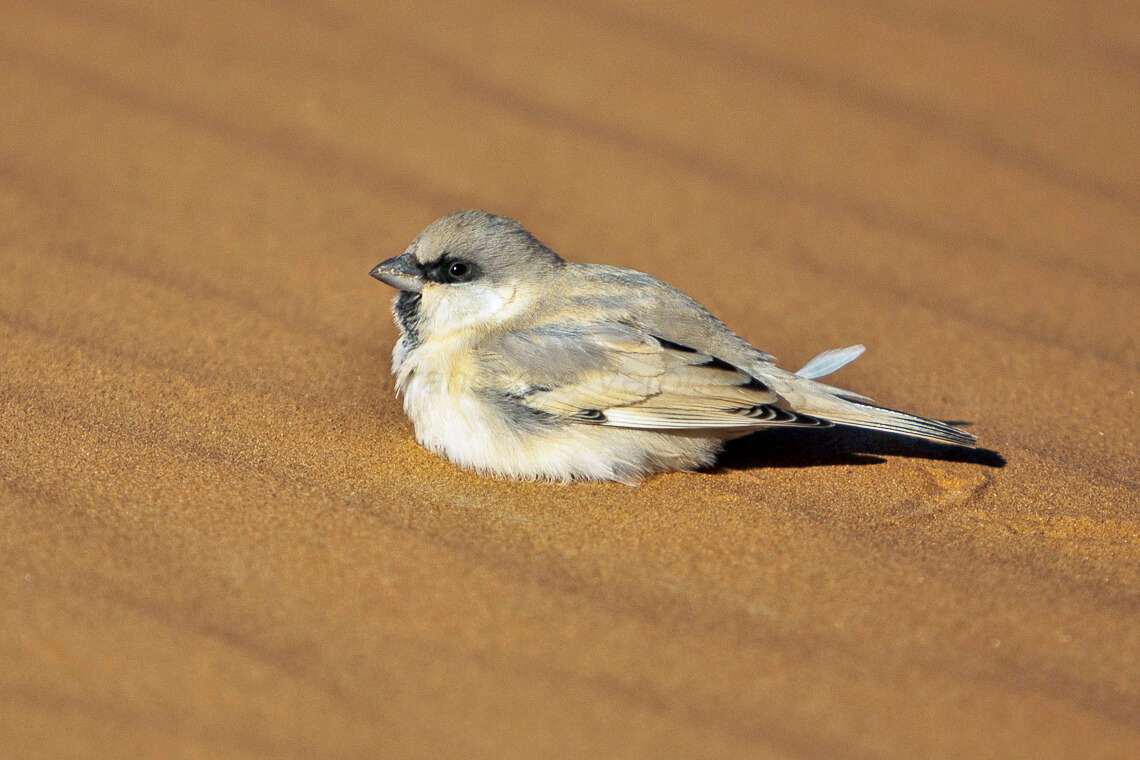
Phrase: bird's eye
{"type": "Point", "coordinates": [459, 271]}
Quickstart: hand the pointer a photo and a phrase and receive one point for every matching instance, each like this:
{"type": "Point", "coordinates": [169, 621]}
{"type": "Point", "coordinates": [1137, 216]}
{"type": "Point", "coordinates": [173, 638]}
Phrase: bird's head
{"type": "Point", "coordinates": [466, 269]}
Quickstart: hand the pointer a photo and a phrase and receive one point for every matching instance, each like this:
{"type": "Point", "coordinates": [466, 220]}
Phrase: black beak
{"type": "Point", "coordinates": [402, 272]}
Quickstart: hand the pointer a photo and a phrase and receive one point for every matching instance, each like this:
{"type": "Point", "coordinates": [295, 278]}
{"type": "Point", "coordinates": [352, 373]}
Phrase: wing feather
{"type": "Point", "coordinates": [614, 374]}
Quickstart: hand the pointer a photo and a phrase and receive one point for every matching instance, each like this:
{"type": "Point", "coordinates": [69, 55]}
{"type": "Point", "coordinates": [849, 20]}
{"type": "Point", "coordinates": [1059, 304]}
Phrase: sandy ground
{"type": "Point", "coordinates": [220, 540]}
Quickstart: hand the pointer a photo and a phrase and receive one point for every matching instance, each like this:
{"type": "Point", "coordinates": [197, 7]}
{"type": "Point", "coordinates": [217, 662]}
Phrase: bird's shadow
{"type": "Point", "coordinates": [788, 447]}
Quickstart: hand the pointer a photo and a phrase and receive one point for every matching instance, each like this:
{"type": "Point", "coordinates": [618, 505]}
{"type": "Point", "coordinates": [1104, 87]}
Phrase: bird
{"type": "Point", "coordinates": [516, 363]}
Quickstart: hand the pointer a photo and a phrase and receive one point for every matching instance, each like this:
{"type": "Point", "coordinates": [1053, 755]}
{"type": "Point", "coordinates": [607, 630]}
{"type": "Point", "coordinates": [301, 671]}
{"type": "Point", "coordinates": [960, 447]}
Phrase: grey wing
{"type": "Point", "coordinates": [656, 308]}
{"type": "Point", "coordinates": [617, 375]}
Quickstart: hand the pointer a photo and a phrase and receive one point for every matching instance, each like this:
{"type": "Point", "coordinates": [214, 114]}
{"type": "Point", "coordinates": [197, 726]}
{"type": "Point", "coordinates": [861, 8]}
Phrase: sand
{"type": "Point", "coordinates": [220, 540]}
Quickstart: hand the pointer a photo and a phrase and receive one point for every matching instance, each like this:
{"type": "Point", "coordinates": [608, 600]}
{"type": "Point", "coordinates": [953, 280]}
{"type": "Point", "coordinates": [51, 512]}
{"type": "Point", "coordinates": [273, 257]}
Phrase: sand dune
{"type": "Point", "coordinates": [220, 540]}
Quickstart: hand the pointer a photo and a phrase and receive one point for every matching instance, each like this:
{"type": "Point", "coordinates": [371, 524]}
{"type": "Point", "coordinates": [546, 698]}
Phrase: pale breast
{"type": "Point", "coordinates": [448, 415]}
{"type": "Point", "coordinates": [453, 418]}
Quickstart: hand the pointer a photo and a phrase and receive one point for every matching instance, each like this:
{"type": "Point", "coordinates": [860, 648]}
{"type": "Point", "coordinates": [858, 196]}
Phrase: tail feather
{"type": "Point", "coordinates": [862, 415]}
{"type": "Point", "coordinates": [845, 407]}
{"type": "Point", "coordinates": [830, 361]}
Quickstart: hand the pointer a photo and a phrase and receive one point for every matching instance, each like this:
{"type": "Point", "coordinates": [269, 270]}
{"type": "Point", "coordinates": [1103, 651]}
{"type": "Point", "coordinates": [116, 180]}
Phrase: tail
{"type": "Point", "coordinates": [863, 415]}
{"type": "Point", "coordinates": [847, 408]}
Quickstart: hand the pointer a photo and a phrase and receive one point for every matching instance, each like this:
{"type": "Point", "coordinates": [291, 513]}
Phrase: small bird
{"type": "Point", "coordinates": [515, 362]}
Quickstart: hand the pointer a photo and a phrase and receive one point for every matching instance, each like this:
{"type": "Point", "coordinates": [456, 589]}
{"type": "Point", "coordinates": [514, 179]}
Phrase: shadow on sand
{"type": "Point", "coordinates": [840, 445]}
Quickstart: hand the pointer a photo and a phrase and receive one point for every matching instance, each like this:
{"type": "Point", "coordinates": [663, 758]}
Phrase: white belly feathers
{"type": "Point", "coordinates": [452, 419]}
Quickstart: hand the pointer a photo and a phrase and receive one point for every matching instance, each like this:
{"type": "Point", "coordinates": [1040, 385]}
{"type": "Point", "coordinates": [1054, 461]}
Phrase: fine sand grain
{"type": "Point", "coordinates": [219, 539]}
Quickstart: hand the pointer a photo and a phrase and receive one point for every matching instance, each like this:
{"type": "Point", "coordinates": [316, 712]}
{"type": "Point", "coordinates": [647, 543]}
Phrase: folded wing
{"type": "Point", "coordinates": [617, 375]}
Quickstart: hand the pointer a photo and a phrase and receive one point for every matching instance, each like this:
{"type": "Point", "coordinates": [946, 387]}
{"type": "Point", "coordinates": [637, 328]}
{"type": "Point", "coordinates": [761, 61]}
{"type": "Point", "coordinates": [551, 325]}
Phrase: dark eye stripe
{"type": "Point", "coordinates": [441, 270]}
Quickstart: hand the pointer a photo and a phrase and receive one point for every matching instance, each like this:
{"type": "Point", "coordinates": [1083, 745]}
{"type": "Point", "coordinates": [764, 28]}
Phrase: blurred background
{"type": "Point", "coordinates": [221, 540]}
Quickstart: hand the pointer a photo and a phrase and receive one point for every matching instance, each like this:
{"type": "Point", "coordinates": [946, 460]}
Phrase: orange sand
{"type": "Point", "coordinates": [219, 539]}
